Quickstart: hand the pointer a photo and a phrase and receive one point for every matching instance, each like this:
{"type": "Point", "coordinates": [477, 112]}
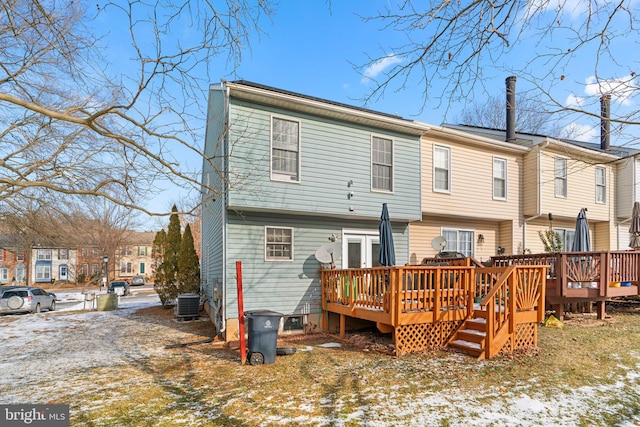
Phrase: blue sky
{"type": "Point", "coordinates": [311, 46]}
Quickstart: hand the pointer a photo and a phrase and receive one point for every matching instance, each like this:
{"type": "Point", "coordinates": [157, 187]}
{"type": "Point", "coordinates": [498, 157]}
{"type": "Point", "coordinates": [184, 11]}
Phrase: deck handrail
{"type": "Point", "coordinates": [516, 289]}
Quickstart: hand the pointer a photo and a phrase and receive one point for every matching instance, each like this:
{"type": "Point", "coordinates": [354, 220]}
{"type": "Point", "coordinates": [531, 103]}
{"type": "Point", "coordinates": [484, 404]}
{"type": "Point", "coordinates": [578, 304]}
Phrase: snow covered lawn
{"type": "Point", "coordinates": [112, 367]}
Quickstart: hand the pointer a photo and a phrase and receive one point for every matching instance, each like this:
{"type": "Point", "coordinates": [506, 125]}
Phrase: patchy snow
{"type": "Point", "coordinates": [68, 345]}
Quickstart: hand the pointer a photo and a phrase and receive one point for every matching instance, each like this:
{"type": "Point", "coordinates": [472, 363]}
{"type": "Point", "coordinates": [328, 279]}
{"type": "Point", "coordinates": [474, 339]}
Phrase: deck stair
{"type": "Point", "coordinates": [471, 337]}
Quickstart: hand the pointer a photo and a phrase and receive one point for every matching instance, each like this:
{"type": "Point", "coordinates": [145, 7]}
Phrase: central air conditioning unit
{"type": "Point", "coordinates": [188, 306]}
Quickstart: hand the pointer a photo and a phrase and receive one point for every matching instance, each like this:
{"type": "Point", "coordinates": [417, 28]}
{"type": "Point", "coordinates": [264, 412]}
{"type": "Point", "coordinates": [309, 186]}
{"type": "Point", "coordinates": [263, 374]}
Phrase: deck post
{"type": "Point", "coordinates": [559, 309]}
{"type": "Point", "coordinates": [342, 326]}
{"type": "Point", "coordinates": [601, 309]}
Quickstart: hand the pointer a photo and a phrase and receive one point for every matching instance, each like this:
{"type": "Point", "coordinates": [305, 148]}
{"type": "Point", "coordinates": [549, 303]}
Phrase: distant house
{"type": "Point", "coordinates": [13, 268]}
{"type": "Point", "coordinates": [292, 173]}
{"type": "Point", "coordinates": [134, 257]}
{"type": "Point", "coordinates": [53, 264]}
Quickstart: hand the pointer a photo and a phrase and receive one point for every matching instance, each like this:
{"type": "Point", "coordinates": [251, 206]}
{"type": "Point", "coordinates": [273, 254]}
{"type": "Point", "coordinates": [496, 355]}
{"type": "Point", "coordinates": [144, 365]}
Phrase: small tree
{"type": "Point", "coordinates": [551, 241]}
{"type": "Point", "coordinates": [188, 265]}
{"type": "Point", "coordinates": [166, 284]}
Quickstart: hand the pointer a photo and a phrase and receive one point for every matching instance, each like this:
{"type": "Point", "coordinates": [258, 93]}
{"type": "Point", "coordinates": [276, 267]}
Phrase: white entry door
{"type": "Point", "coordinates": [360, 250]}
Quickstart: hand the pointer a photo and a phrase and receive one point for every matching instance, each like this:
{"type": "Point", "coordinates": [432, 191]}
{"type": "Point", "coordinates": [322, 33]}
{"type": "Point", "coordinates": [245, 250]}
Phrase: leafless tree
{"type": "Point", "coordinates": [85, 118]}
{"type": "Point", "coordinates": [462, 44]}
{"type": "Point", "coordinates": [530, 117]}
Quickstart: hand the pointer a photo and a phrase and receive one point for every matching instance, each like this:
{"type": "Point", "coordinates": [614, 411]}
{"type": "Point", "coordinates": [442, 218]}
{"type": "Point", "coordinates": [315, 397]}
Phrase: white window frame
{"type": "Point", "coordinates": [451, 247]}
{"type": "Point", "coordinates": [564, 234]}
{"type": "Point", "coordinates": [284, 176]}
{"type": "Point", "coordinates": [43, 272]}
{"type": "Point", "coordinates": [63, 253]}
{"type": "Point", "coordinates": [126, 267]}
{"type": "Point", "coordinates": [267, 257]}
{"type": "Point", "coordinates": [503, 178]}
{"type": "Point", "coordinates": [84, 269]}
{"type": "Point", "coordinates": [20, 273]}
{"type": "Point", "coordinates": [4, 274]}
{"type": "Point", "coordinates": [95, 269]}
{"type": "Point", "coordinates": [601, 185]}
{"type": "Point", "coordinates": [142, 251]}
{"type": "Point", "coordinates": [383, 165]}
{"type": "Point", "coordinates": [560, 178]}
{"type": "Point", "coordinates": [43, 255]}
{"type": "Point", "coordinates": [447, 168]}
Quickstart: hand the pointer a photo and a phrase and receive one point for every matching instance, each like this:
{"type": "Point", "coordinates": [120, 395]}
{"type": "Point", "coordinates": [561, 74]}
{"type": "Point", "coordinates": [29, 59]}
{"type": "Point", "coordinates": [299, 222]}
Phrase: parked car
{"type": "Point", "coordinates": [137, 281]}
{"type": "Point", "coordinates": [119, 287]}
{"type": "Point", "coordinates": [25, 299]}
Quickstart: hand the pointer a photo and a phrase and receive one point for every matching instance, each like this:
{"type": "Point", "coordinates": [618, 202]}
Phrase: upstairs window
{"type": "Point", "coordinates": [142, 251]}
{"type": "Point", "coordinates": [381, 164]}
{"type": "Point", "coordinates": [499, 178]}
{"type": "Point", "coordinates": [44, 254]}
{"type": "Point", "coordinates": [285, 150]}
{"type": "Point", "coordinates": [441, 169]}
{"type": "Point", "coordinates": [601, 185]}
{"type": "Point", "coordinates": [63, 253]}
{"type": "Point", "coordinates": [561, 178]}
{"type": "Point", "coordinates": [278, 243]}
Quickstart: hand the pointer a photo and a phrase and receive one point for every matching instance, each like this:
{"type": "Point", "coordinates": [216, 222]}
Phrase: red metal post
{"type": "Point", "coordinates": [243, 344]}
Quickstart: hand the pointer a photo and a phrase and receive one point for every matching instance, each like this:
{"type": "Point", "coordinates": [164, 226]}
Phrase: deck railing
{"type": "Point", "coordinates": [576, 270]}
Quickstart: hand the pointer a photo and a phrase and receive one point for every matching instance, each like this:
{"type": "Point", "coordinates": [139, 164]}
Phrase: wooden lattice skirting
{"type": "Point", "coordinates": [423, 336]}
{"type": "Point", "coordinates": [525, 337]}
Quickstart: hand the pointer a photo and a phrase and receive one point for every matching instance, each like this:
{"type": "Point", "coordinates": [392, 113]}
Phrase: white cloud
{"type": "Point", "coordinates": [620, 89]}
{"type": "Point", "coordinates": [580, 132]}
{"type": "Point", "coordinates": [373, 70]}
{"type": "Point", "coordinates": [574, 8]}
{"type": "Point", "coordinates": [574, 101]}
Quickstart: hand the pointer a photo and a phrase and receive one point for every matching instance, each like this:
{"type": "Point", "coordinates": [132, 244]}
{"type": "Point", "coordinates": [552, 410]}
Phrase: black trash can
{"type": "Point", "coordinates": [263, 336]}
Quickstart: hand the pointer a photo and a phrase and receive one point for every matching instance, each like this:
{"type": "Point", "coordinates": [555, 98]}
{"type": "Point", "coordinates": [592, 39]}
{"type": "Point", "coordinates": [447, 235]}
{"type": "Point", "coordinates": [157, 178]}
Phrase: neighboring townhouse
{"type": "Point", "coordinates": [13, 269]}
{"type": "Point", "coordinates": [91, 264]}
{"type": "Point", "coordinates": [134, 257]}
{"type": "Point", "coordinates": [471, 195]}
{"type": "Point", "coordinates": [627, 193]}
{"type": "Point", "coordinates": [53, 264]}
{"type": "Point", "coordinates": [556, 179]}
{"type": "Point", "coordinates": [287, 173]}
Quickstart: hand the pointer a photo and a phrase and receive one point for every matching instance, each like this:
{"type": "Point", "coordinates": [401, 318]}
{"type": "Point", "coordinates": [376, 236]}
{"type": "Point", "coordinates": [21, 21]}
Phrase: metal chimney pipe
{"type": "Point", "coordinates": [604, 121]}
{"type": "Point", "coordinates": [511, 109]}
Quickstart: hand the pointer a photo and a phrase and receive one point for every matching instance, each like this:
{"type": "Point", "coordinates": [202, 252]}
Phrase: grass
{"type": "Point", "coordinates": [588, 366]}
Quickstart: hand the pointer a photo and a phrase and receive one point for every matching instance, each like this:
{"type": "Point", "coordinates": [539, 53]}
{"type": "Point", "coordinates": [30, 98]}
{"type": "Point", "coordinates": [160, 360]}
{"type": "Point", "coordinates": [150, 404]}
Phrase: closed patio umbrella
{"type": "Point", "coordinates": [387, 256]}
{"type": "Point", "coordinates": [581, 240]}
{"type": "Point", "coordinates": [634, 229]}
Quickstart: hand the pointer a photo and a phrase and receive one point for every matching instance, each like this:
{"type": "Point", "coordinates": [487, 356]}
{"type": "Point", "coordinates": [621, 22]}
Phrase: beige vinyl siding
{"type": "Point", "coordinates": [581, 188]}
{"type": "Point", "coordinates": [471, 182]}
{"type": "Point", "coordinates": [530, 183]}
{"type": "Point", "coordinates": [423, 232]}
{"type": "Point", "coordinates": [626, 188]}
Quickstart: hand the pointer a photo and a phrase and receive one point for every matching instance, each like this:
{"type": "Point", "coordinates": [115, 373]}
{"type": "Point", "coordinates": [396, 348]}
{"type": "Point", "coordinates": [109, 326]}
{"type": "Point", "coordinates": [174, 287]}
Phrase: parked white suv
{"type": "Point", "coordinates": [20, 299]}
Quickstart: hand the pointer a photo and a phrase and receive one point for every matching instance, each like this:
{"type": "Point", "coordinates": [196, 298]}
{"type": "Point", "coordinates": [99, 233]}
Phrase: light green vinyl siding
{"type": "Point", "coordinates": [333, 155]}
{"type": "Point", "coordinates": [288, 287]}
{"type": "Point", "coordinates": [212, 242]}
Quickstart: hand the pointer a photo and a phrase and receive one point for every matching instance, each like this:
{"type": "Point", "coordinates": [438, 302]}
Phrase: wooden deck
{"type": "Point", "coordinates": [483, 311]}
{"type": "Point", "coordinates": [576, 277]}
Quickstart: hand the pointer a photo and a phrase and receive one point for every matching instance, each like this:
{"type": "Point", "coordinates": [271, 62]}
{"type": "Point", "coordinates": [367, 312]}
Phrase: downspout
{"type": "Point", "coordinates": [539, 181]}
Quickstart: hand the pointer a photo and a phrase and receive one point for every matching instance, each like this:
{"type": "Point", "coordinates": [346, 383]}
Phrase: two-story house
{"type": "Point", "coordinates": [497, 196]}
{"type": "Point", "coordinates": [286, 173]}
{"type": "Point", "coordinates": [134, 257]}
{"type": "Point", "coordinates": [53, 264]}
{"type": "Point", "coordinates": [13, 268]}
